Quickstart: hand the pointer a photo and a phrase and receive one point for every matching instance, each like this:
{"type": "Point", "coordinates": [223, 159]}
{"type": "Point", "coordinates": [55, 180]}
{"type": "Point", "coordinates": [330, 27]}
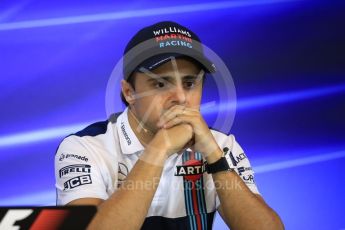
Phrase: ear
{"type": "Point", "coordinates": [127, 91]}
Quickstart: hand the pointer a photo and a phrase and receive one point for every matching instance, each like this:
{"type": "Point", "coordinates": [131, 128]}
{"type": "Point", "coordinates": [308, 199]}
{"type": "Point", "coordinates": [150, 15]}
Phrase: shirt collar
{"type": "Point", "coordinates": [129, 142]}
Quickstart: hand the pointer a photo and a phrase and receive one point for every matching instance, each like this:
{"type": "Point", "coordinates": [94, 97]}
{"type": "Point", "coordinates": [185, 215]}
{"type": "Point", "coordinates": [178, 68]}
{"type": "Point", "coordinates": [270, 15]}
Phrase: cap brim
{"type": "Point", "coordinates": [160, 59]}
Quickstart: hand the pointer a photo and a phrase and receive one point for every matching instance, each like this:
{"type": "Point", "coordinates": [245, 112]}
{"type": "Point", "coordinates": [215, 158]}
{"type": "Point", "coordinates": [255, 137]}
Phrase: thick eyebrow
{"type": "Point", "coordinates": [190, 77]}
{"type": "Point", "coordinates": [161, 78]}
{"type": "Point", "coordinates": [172, 79]}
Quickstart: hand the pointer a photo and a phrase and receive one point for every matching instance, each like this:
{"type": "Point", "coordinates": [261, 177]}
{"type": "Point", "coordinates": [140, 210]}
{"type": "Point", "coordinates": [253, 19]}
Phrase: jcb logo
{"type": "Point", "coordinates": [77, 181]}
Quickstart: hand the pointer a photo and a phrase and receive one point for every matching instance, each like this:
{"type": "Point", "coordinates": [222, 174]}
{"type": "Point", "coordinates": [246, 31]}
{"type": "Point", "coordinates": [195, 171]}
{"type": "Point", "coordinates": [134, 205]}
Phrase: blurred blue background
{"type": "Point", "coordinates": [286, 58]}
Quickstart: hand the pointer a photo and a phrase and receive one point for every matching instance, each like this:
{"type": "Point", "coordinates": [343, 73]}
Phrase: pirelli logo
{"type": "Point", "coordinates": [78, 168]}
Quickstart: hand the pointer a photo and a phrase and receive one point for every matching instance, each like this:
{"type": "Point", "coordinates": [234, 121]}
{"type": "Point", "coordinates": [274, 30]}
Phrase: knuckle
{"type": "Point", "coordinates": [188, 127]}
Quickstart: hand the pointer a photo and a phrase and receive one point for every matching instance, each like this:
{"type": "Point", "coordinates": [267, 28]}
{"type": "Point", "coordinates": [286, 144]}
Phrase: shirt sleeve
{"type": "Point", "coordinates": [77, 172]}
{"type": "Point", "coordinates": [239, 161]}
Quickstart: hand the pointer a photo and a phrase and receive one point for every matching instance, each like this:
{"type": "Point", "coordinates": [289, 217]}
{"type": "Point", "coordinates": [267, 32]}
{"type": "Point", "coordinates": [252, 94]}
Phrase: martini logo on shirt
{"type": "Point", "coordinates": [191, 170]}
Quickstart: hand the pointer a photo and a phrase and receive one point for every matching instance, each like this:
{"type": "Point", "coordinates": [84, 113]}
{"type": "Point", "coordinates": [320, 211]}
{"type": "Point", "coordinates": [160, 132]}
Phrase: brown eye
{"type": "Point", "coordinates": [189, 84]}
{"type": "Point", "coordinates": [160, 85]}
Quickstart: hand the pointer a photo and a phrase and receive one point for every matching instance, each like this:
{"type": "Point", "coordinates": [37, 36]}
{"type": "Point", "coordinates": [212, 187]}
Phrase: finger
{"type": "Point", "coordinates": [192, 109]}
{"type": "Point", "coordinates": [178, 109]}
{"type": "Point", "coordinates": [179, 120]}
{"type": "Point", "coordinates": [188, 116]}
{"type": "Point", "coordinates": [173, 122]}
{"type": "Point", "coordinates": [170, 114]}
{"type": "Point", "coordinates": [175, 111]}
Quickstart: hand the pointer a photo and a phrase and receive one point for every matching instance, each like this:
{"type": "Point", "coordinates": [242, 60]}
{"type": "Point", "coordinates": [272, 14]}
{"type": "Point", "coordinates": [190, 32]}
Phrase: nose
{"type": "Point", "coordinates": [178, 94]}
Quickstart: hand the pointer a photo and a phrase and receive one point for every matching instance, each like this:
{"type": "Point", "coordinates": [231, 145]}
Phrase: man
{"type": "Point", "coordinates": [158, 165]}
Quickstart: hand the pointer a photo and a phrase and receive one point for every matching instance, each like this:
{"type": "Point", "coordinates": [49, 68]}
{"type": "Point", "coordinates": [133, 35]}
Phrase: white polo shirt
{"type": "Point", "coordinates": [95, 161]}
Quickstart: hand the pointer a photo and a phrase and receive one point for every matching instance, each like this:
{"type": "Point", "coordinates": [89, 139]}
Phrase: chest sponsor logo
{"type": "Point", "coordinates": [122, 173]}
{"type": "Point", "coordinates": [77, 181]}
{"type": "Point", "coordinates": [237, 159]}
{"type": "Point", "coordinates": [123, 129]}
{"type": "Point", "coordinates": [248, 179]}
{"type": "Point", "coordinates": [75, 156]}
{"type": "Point", "coordinates": [79, 168]}
{"type": "Point", "coordinates": [190, 170]}
{"type": "Point", "coordinates": [243, 169]}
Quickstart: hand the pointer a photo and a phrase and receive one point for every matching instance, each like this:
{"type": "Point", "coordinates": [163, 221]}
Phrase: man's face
{"type": "Point", "coordinates": [177, 82]}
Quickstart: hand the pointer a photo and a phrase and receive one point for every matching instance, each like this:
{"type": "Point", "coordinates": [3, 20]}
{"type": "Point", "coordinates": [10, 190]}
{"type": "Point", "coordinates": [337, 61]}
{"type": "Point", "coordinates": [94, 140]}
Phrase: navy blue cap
{"type": "Point", "coordinates": [155, 45]}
